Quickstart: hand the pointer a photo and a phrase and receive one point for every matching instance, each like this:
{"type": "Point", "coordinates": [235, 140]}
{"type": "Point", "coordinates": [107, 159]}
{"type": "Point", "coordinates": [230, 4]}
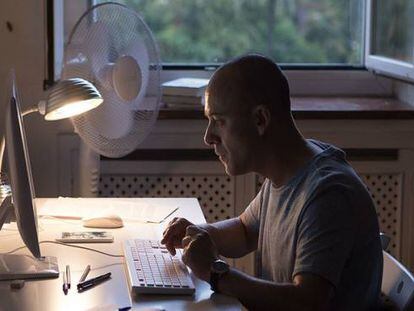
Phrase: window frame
{"type": "Point", "coordinates": [304, 80]}
{"type": "Point", "coordinates": [380, 64]}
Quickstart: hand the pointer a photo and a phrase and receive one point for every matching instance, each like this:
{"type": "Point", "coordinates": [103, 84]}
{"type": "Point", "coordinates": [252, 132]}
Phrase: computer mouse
{"type": "Point", "coordinates": [103, 221]}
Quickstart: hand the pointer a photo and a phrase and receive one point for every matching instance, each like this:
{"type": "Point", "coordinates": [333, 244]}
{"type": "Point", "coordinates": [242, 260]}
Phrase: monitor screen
{"type": "Point", "coordinates": [21, 266]}
{"type": "Point", "coordinates": [21, 177]}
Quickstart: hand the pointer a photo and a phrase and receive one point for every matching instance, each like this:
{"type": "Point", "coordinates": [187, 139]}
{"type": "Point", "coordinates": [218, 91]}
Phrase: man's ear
{"type": "Point", "coordinates": [262, 116]}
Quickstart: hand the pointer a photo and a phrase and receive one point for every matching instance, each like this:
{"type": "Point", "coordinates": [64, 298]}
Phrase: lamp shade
{"type": "Point", "coordinates": [71, 97]}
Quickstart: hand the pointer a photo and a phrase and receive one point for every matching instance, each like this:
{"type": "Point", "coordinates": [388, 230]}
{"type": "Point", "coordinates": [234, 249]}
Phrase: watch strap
{"type": "Point", "coordinates": [214, 278]}
{"type": "Point", "coordinates": [218, 269]}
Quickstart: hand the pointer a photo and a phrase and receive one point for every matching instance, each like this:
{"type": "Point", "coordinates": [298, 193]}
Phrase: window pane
{"type": "Point", "coordinates": [290, 31]}
{"type": "Point", "coordinates": [393, 24]}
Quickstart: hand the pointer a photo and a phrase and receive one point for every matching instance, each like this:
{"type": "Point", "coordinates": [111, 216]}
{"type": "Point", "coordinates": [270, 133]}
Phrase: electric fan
{"type": "Point", "coordinates": [112, 47]}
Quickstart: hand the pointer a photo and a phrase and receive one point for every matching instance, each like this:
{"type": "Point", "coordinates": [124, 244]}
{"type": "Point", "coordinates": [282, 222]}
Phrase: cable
{"type": "Point", "coordinates": [69, 245]}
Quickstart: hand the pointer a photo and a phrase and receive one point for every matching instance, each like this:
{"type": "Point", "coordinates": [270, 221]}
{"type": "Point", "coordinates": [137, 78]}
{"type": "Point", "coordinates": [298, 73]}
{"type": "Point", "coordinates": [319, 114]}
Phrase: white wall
{"type": "Point", "coordinates": [24, 48]}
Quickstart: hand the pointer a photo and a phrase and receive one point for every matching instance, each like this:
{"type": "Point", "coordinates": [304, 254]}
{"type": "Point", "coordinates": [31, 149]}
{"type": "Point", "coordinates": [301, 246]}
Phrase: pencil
{"type": "Point", "coordinates": [85, 273]}
{"type": "Point", "coordinates": [162, 220]}
{"type": "Point", "coordinates": [65, 284]}
{"type": "Point", "coordinates": [68, 275]}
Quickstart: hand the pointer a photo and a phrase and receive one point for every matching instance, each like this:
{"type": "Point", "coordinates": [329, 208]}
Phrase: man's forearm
{"type": "Point", "coordinates": [230, 238]}
{"type": "Point", "coordinates": [257, 294]}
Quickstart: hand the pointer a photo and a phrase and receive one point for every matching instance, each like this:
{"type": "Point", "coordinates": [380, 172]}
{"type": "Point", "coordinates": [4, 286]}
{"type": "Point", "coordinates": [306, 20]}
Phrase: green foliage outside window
{"type": "Point", "coordinates": [289, 31]}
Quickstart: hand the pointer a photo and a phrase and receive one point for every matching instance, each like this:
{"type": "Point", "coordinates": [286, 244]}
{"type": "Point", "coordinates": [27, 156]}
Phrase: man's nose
{"type": "Point", "coordinates": [209, 137]}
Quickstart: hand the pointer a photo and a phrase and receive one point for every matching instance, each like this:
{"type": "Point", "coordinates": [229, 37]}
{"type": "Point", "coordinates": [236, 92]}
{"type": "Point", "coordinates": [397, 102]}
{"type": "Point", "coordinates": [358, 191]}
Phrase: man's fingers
{"type": "Point", "coordinates": [193, 230]}
{"type": "Point", "coordinates": [173, 243]}
{"type": "Point", "coordinates": [186, 240]}
{"type": "Point", "coordinates": [196, 240]}
{"type": "Point", "coordinates": [170, 248]}
{"type": "Point", "coordinates": [166, 235]}
{"type": "Point", "coordinates": [170, 232]}
{"type": "Point", "coordinates": [172, 222]}
{"type": "Point", "coordinates": [184, 258]}
{"type": "Point", "coordinates": [176, 231]}
{"type": "Point", "coordinates": [186, 250]}
{"type": "Point", "coordinates": [175, 227]}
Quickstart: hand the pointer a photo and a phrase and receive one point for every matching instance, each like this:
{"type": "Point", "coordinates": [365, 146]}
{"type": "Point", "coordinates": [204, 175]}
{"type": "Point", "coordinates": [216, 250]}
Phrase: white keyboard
{"type": "Point", "coordinates": [152, 270]}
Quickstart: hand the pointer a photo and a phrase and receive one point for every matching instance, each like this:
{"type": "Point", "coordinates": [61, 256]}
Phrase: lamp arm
{"type": "Point", "coordinates": [30, 110]}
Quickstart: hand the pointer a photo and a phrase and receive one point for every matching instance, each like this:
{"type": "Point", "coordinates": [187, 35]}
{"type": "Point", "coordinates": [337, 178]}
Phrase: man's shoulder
{"type": "Point", "coordinates": [330, 168]}
{"type": "Point", "coordinates": [332, 179]}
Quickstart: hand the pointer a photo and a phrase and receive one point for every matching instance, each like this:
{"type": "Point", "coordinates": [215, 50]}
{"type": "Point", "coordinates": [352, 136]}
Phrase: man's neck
{"type": "Point", "coordinates": [286, 161]}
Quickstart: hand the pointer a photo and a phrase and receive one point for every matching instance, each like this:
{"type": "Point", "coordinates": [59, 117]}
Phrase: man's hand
{"type": "Point", "coordinates": [199, 252]}
{"type": "Point", "coordinates": [174, 234]}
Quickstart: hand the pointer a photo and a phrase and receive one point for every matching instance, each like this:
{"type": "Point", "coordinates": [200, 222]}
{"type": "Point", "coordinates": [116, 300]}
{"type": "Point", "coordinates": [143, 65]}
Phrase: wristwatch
{"type": "Point", "coordinates": [218, 269]}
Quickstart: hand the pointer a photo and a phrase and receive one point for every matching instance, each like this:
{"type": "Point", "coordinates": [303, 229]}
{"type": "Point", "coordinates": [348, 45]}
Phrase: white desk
{"type": "Point", "coordinates": [48, 294]}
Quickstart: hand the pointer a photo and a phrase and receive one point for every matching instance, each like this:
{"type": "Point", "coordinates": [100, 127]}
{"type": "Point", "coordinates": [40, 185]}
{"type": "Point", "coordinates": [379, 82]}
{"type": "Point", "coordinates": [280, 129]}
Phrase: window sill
{"type": "Point", "coordinates": [327, 108]}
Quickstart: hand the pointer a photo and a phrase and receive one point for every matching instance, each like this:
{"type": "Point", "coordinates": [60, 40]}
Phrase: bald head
{"type": "Point", "coordinates": [249, 81]}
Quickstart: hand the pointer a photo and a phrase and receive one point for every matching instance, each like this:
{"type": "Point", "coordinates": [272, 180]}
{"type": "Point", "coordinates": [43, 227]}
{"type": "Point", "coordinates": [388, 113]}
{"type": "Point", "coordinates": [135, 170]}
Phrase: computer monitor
{"type": "Point", "coordinates": [13, 266]}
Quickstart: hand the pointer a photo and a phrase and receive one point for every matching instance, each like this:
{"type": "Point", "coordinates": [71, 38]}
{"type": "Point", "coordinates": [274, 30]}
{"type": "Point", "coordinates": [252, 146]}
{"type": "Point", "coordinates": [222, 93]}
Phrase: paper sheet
{"type": "Point", "coordinates": [78, 208]}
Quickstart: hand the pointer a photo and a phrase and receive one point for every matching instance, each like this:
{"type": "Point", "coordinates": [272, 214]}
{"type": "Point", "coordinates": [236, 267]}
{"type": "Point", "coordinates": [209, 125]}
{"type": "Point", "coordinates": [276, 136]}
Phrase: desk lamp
{"type": "Point", "coordinates": [66, 99]}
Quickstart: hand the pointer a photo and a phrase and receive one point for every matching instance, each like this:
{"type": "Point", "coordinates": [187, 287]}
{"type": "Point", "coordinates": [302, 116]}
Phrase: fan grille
{"type": "Point", "coordinates": [102, 35]}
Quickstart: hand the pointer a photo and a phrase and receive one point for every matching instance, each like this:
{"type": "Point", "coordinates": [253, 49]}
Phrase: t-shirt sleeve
{"type": "Point", "coordinates": [325, 236]}
{"type": "Point", "coordinates": [251, 215]}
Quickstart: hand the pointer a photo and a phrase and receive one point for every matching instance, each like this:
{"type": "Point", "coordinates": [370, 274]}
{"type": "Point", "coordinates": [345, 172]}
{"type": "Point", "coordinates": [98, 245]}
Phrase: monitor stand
{"type": "Point", "coordinates": [15, 267]}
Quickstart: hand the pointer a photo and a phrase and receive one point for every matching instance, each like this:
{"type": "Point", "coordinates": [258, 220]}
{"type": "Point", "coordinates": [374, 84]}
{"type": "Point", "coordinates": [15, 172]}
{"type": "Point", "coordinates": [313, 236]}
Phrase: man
{"type": "Point", "coordinates": [313, 221]}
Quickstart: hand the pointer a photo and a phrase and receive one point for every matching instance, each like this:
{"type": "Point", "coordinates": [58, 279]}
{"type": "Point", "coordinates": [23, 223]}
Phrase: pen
{"type": "Point", "coordinates": [68, 276]}
{"type": "Point", "coordinates": [162, 220]}
{"type": "Point", "coordinates": [85, 273]}
{"type": "Point", "coordinates": [65, 284]}
{"type": "Point", "coordinates": [92, 282]}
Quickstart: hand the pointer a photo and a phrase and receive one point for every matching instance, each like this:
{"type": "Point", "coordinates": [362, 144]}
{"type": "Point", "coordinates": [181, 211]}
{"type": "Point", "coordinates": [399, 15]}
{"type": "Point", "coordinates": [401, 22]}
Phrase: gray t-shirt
{"type": "Point", "coordinates": [323, 222]}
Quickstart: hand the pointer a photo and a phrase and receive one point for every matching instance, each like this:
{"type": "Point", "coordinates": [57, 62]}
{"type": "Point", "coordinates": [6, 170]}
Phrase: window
{"type": "Point", "coordinates": [390, 37]}
{"type": "Point", "coordinates": [294, 32]}
{"type": "Point", "coordinates": [319, 43]}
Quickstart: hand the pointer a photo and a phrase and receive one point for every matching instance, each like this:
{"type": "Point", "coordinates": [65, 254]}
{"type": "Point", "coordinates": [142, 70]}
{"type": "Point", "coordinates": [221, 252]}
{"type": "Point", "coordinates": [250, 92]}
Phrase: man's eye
{"type": "Point", "coordinates": [218, 121]}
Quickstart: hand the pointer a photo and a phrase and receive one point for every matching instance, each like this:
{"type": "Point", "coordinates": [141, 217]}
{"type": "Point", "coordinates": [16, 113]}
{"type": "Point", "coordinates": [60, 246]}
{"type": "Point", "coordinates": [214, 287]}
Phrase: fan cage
{"type": "Point", "coordinates": [104, 33]}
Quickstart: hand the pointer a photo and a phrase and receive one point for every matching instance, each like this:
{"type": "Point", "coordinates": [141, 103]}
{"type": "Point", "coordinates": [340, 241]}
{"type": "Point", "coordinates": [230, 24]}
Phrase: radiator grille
{"type": "Point", "coordinates": [215, 193]}
{"type": "Point", "coordinates": [386, 191]}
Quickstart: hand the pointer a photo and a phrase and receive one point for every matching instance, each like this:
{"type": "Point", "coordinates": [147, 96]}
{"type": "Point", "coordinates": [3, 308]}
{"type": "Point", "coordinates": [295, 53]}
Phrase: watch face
{"type": "Point", "coordinates": [220, 266]}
